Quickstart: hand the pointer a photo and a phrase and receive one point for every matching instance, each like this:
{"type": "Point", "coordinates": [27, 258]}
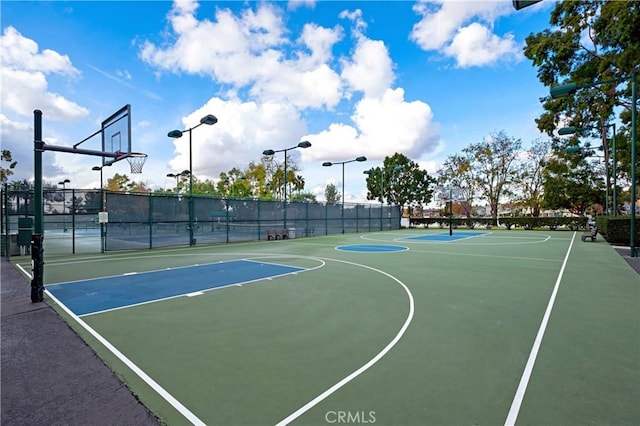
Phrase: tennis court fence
{"type": "Point", "coordinates": [146, 221]}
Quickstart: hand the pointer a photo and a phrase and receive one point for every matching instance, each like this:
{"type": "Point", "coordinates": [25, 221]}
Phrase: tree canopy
{"type": "Point", "coordinates": [399, 181]}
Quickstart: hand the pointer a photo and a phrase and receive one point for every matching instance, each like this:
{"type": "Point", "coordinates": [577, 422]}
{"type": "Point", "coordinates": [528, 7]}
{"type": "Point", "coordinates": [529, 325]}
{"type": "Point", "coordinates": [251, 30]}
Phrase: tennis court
{"type": "Point", "coordinates": [409, 327]}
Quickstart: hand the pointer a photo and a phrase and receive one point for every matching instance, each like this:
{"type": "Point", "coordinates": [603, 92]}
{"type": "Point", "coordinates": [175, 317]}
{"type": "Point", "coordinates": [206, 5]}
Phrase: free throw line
{"type": "Point", "coordinates": [526, 375]}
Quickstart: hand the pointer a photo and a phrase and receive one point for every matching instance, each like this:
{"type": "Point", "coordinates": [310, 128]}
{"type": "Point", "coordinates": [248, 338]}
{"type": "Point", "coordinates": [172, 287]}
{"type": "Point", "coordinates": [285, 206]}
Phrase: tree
{"type": "Point", "coordinates": [458, 172]}
{"type": "Point", "coordinates": [571, 181]}
{"type": "Point", "coordinates": [531, 175]}
{"type": "Point", "coordinates": [304, 197]}
{"type": "Point", "coordinates": [405, 183]}
{"type": "Point", "coordinates": [8, 171]}
{"type": "Point", "coordinates": [589, 42]}
{"type": "Point", "coordinates": [122, 183]}
{"type": "Point", "coordinates": [331, 194]}
{"type": "Point", "coordinates": [495, 167]}
{"type": "Point", "coordinates": [117, 183]}
{"type": "Point", "coordinates": [274, 178]}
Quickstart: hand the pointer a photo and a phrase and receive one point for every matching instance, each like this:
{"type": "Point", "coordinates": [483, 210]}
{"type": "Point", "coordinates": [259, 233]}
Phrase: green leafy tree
{"type": "Point", "coordinates": [304, 197]}
{"type": "Point", "coordinates": [571, 181]}
{"type": "Point", "coordinates": [589, 42]}
{"type": "Point", "coordinates": [7, 171]}
{"type": "Point", "coordinates": [331, 194]}
{"type": "Point", "coordinates": [405, 183]}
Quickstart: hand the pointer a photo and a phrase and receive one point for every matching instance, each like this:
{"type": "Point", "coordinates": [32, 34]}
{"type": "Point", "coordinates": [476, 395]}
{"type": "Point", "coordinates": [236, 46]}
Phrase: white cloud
{"type": "Point", "coordinates": [294, 4]}
{"type": "Point", "coordinates": [382, 126]}
{"type": "Point", "coordinates": [243, 131]}
{"type": "Point", "coordinates": [24, 78]}
{"type": "Point", "coordinates": [463, 31]}
{"type": "Point", "coordinates": [285, 75]}
{"type": "Point", "coordinates": [475, 45]}
{"type": "Point", "coordinates": [370, 68]}
{"type": "Point", "coordinates": [251, 49]}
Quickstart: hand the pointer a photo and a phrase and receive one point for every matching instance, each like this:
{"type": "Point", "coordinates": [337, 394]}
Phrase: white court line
{"type": "Point", "coordinates": [126, 361]}
{"type": "Point", "coordinates": [309, 405]}
{"type": "Point", "coordinates": [526, 375]}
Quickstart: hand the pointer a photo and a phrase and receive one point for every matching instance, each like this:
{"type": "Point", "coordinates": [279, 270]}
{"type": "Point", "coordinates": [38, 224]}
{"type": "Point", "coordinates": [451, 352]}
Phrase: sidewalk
{"type": "Point", "coordinates": [634, 262]}
{"type": "Point", "coordinates": [49, 375]}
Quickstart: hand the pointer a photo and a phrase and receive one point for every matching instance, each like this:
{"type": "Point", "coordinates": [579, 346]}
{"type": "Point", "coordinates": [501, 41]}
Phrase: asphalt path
{"type": "Point", "coordinates": [49, 376]}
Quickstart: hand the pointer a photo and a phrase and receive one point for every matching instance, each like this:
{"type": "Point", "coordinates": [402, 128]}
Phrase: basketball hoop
{"type": "Point", "coordinates": [136, 161]}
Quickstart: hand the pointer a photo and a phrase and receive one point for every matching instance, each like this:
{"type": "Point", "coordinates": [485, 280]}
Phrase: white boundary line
{"type": "Point", "coordinates": [191, 417]}
{"type": "Point", "coordinates": [462, 241]}
{"type": "Point", "coordinates": [126, 361]}
{"type": "Point", "coordinates": [309, 405]}
{"type": "Point", "coordinates": [526, 375]}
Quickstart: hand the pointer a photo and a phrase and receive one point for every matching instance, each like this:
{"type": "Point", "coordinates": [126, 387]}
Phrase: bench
{"type": "Point", "coordinates": [591, 234]}
{"type": "Point", "coordinates": [277, 234]}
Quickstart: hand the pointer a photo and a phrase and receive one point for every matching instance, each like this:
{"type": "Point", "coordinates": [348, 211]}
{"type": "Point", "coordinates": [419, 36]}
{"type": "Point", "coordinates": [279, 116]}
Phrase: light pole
{"type": "Point", "coordinates": [64, 203]}
{"type": "Point", "coordinates": [178, 176]}
{"type": "Point", "coordinates": [569, 89]}
{"type": "Point", "coordinates": [208, 120]}
{"type": "Point", "coordinates": [331, 163]}
{"type": "Point", "coordinates": [614, 170]}
{"type": "Point", "coordinates": [303, 144]}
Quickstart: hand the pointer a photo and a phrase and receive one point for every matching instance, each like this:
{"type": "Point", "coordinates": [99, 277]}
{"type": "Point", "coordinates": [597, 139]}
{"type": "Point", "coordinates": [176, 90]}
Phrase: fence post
{"type": "Point", "coordinates": [259, 221]}
{"type": "Point", "coordinates": [226, 202]}
{"type": "Point", "coordinates": [73, 221]}
{"type": "Point", "coordinates": [150, 220]}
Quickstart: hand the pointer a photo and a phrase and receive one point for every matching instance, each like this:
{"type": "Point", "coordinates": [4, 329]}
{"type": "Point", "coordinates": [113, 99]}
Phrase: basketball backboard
{"type": "Point", "coordinates": [116, 133]}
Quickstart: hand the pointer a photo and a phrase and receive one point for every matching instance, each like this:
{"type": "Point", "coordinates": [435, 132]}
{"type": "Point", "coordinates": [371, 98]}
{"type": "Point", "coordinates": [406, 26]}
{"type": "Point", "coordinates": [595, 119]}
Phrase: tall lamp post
{"type": "Point", "coordinates": [614, 170]}
{"type": "Point", "coordinates": [208, 120]}
{"type": "Point", "coordinates": [303, 144]}
{"type": "Point", "coordinates": [331, 163]}
{"type": "Point", "coordinates": [64, 203]}
{"type": "Point", "coordinates": [178, 176]}
{"type": "Point", "coordinates": [569, 89]}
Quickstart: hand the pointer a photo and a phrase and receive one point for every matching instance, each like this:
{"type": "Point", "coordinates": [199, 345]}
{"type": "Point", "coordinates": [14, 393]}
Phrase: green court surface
{"type": "Point", "coordinates": [503, 327]}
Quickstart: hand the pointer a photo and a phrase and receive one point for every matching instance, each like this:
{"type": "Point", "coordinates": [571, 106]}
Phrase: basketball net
{"type": "Point", "coordinates": [136, 161]}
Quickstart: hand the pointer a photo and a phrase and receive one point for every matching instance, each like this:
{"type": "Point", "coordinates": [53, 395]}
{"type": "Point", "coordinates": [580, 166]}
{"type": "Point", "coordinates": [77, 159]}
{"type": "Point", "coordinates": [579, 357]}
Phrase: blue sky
{"type": "Point", "coordinates": [354, 78]}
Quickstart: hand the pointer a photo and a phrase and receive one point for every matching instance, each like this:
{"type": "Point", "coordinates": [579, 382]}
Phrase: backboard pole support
{"type": "Point", "coordinates": [37, 238]}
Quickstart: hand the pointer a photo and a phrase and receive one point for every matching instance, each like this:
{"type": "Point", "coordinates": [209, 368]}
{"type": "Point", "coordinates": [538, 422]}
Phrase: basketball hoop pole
{"type": "Point", "coordinates": [37, 238]}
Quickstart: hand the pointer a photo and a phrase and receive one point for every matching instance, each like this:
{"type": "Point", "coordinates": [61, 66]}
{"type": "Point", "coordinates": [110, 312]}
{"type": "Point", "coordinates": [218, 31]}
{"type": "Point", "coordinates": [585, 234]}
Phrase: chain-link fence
{"type": "Point", "coordinates": [145, 221]}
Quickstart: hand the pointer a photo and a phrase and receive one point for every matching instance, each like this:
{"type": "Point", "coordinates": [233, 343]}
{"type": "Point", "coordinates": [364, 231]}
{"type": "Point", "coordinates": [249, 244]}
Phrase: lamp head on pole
{"type": "Point", "coordinates": [572, 149]}
{"type": "Point", "coordinates": [568, 130]}
{"type": "Point", "coordinates": [327, 164]}
{"type": "Point", "coordinates": [361, 159]}
{"type": "Point", "coordinates": [563, 90]}
{"type": "Point", "coordinates": [304, 144]}
{"type": "Point", "coordinates": [175, 134]}
{"type": "Point", "coordinates": [268, 152]}
{"type": "Point", "coordinates": [209, 120]}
